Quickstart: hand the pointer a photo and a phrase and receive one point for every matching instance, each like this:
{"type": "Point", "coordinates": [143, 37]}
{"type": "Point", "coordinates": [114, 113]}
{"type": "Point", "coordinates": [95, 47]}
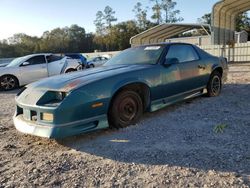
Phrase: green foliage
{"type": "Point", "coordinates": [141, 16]}
{"type": "Point", "coordinates": [205, 19]}
{"type": "Point", "coordinates": [99, 23]}
{"type": "Point", "coordinates": [164, 11]}
{"type": "Point", "coordinates": [243, 22]}
{"type": "Point", "coordinates": [220, 128]}
{"type": "Point", "coordinates": [59, 40]}
{"type": "Point", "coordinates": [157, 12]}
{"type": "Point", "coordinates": [107, 37]}
{"type": "Point", "coordinates": [109, 16]}
{"type": "Point", "coordinates": [171, 15]}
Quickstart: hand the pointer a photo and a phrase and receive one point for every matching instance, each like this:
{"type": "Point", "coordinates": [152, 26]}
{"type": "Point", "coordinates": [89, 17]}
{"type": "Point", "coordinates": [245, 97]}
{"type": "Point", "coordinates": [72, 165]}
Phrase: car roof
{"type": "Point", "coordinates": [73, 54]}
{"type": "Point", "coordinates": [166, 44]}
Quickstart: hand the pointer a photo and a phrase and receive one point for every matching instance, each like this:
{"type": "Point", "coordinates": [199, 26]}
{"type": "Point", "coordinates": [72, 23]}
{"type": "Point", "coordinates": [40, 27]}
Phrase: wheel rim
{"type": "Point", "coordinates": [215, 85]}
{"type": "Point", "coordinates": [8, 83]}
{"type": "Point", "coordinates": [128, 109]}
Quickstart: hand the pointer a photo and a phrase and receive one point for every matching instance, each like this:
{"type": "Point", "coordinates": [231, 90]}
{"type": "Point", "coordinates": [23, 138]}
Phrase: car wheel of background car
{"type": "Point", "coordinates": [70, 70]}
{"type": "Point", "coordinates": [8, 82]}
{"type": "Point", "coordinates": [91, 66]}
{"type": "Point", "coordinates": [126, 109]}
{"type": "Point", "coordinates": [214, 84]}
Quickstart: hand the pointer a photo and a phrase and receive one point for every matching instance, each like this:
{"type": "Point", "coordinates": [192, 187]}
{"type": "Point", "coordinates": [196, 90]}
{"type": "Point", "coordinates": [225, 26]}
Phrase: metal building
{"type": "Point", "coordinates": [162, 32]}
{"type": "Point", "coordinates": [222, 27]}
{"type": "Point", "coordinates": [223, 19]}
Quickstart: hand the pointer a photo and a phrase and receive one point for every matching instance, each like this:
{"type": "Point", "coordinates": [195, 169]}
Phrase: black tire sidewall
{"type": "Point", "coordinates": [210, 93]}
{"type": "Point", "coordinates": [113, 114]}
{"type": "Point", "coordinates": [70, 70]}
{"type": "Point", "coordinates": [15, 86]}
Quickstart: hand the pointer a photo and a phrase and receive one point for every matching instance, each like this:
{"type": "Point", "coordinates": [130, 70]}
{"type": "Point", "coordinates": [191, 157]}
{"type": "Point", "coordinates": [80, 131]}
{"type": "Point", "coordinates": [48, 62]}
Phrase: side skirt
{"type": "Point", "coordinates": [161, 103]}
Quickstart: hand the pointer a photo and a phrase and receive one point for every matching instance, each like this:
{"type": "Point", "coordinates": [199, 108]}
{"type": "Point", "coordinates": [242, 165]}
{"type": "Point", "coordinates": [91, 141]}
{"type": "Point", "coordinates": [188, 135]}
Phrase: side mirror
{"type": "Point", "coordinates": [171, 61]}
{"type": "Point", "coordinates": [25, 63]}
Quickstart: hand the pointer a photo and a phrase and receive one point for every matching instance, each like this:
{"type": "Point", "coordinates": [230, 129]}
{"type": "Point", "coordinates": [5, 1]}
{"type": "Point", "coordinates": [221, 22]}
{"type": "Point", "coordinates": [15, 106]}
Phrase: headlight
{"type": "Point", "coordinates": [52, 98]}
{"type": "Point", "coordinates": [60, 95]}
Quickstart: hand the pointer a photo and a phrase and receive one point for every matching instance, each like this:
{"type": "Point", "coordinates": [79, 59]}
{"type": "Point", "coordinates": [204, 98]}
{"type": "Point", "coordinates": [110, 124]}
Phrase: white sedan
{"type": "Point", "coordinates": [30, 68]}
{"type": "Point", "coordinates": [97, 61]}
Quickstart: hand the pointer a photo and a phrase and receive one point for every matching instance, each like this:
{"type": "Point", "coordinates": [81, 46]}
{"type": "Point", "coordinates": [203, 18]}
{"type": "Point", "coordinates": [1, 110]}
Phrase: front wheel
{"type": "Point", "coordinates": [214, 85]}
{"type": "Point", "coordinates": [8, 83]}
{"type": "Point", "coordinates": [126, 109]}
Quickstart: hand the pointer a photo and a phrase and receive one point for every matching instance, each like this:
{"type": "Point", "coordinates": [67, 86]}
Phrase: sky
{"type": "Point", "coordinates": [33, 17]}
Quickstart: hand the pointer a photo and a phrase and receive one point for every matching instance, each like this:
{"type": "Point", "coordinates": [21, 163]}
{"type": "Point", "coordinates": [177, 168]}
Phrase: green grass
{"type": "Point", "coordinates": [220, 128]}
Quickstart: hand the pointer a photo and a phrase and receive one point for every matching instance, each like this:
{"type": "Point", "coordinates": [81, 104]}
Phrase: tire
{"type": "Point", "coordinates": [91, 66]}
{"type": "Point", "coordinates": [214, 85]}
{"type": "Point", "coordinates": [126, 109]}
{"type": "Point", "coordinates": [70, 70]}
{"type": "Point", "coordinates": [8, 82]}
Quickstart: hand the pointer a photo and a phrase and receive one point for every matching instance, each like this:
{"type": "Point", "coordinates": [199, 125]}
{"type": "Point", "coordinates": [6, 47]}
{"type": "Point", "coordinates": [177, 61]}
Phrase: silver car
{"type": "Point", "coordinates": [30, 68]}
{"type": "Point", "coordinates": [96, 62]}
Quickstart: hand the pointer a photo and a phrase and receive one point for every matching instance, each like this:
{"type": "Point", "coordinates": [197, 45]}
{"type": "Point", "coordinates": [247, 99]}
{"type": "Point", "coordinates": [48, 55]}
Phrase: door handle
{"type": "Point", "coordinates": [201, 67]}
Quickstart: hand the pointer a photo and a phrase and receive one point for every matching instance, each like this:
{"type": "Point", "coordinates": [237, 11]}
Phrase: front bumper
{"type": "Point", "coordinates": [60, 131]}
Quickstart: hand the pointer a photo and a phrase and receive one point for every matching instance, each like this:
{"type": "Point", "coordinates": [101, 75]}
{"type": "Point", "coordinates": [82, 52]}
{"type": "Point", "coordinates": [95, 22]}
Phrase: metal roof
{"type": "Point", "coordinates": [162, 32]}
{"type": "Point", "coordinates": [223, 19]}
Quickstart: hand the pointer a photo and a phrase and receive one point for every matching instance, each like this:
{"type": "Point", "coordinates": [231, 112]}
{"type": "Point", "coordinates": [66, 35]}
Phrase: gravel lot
{"type": "Point", "coordinates": [203, 142]}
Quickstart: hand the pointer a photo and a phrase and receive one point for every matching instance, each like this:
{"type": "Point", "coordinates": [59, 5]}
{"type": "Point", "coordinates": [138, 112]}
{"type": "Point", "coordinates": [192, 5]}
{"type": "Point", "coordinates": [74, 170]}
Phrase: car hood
{"type": "Point", "coordinates": [71, 81]}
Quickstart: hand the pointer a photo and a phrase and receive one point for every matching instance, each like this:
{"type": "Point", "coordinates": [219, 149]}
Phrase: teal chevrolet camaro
{"type": "Point", "coordinates": [137, 80]}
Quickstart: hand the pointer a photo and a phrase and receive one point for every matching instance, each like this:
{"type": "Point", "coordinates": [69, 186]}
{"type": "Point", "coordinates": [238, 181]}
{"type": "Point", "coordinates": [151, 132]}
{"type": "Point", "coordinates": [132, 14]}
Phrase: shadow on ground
{"type": "Point", "coordinates": [15, 91]}
{"type": "Point", "coordinates": [182, 135]}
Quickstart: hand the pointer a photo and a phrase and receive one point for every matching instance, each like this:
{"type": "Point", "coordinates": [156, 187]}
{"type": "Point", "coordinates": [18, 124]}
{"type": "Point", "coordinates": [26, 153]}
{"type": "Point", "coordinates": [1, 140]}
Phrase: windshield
{"type": "Point", "coordinates": [15, 62]}
{"type": "Point", "coordinates": [137, 55]}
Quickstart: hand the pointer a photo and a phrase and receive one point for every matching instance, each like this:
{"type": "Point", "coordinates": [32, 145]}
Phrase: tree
{"type": "Point", "coordinates": [109, 16]}
{"type": "Point", "coordinates": [168, 6]}
{"type": "Point", "coordinates": [99, 23]}
{"type": "Point", "coordinates": [243, 22]}
{"type": "Point", "coordinates": [157, 14]}
{"type": "Point", "coordinates": [164, 11]}
{"type": "Point", "coordinates": [122, 32]}
{"type": "Point", "coordinates": [141, 16]}
{"type": "Point", "coordinates": [206, 19]}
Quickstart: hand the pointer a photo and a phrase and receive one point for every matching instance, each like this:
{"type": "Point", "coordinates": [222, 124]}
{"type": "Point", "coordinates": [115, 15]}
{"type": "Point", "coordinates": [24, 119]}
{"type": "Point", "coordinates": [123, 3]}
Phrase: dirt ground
{"type": "Point", "coordinates": [203, 142]}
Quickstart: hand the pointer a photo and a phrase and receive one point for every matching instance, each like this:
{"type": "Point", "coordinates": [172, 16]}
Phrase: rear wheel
{"type": "Point", "coordinates": [214, 85]}
{"type": "Point", "coordinates": [91, 66]}
{"type": "Point", "coordinates": [70, 70]}
{"type": "Point", "coordinates": [8, 82]}
{"type": "Point", "coordinates": [126, 109]}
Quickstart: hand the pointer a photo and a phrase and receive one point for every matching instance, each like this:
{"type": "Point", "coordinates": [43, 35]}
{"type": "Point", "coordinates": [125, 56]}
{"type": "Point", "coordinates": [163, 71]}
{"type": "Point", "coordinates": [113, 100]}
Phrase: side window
{"type": "Point", "coordinates": [97, 59]}
{"type": "Point", "coordinates": [52, 58]}
{"type": "Point", "coordinates": [182, 52]}
{"type": "Point", "coordinates": [37, 60]}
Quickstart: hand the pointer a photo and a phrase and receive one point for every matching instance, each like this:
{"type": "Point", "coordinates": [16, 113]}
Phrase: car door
{"type": "Point", "coordinates": [55, 64]}
{"type": "Point", "coordinates": [34, 69]}
{"type": "Point", "coordinates": [170, 78]}
{"type": "Point", "coordinates": [190, 67]}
